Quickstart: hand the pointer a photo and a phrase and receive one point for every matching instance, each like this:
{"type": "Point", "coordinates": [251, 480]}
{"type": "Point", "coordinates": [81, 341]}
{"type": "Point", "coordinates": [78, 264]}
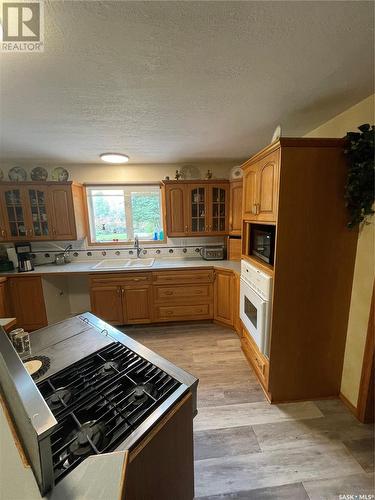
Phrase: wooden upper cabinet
{"type": "Point", "coordinates": [196, 208]}
{"type": "Point", "coordinates": [41, 211]}
{"type": "Point", "coordinates": [235, 208]}
{"type": "Point", "coordinates": [268, 187]}
{"type": "Point", "coordinates": [197, 199]}
{"type": "Point", "coordinates": [38, 212]}
{"type": "Point", "coordinates": [249, 193]}
{"type": "Point", "coordinates": [218, 208]}
{"type": "Point", "coordinates": [3, 231]}
{"type": "Point", "coordinates": [16, 224]}
{"type": "Point", "coordinates": [176, 210]}
{"type": "Point", "coordinates": [64, 227]}
{"type": "Point", "coordinates": [261, 187]}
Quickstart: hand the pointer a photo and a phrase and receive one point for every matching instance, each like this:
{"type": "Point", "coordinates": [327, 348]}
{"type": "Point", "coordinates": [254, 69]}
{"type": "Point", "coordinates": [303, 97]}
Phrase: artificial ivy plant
{"type": "Point", "coordinates": [359, 189]}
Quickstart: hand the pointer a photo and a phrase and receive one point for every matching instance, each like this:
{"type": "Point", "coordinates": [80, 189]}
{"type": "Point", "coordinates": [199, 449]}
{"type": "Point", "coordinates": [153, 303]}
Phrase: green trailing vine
{"type": "Point", "coordinates": [359, 189]}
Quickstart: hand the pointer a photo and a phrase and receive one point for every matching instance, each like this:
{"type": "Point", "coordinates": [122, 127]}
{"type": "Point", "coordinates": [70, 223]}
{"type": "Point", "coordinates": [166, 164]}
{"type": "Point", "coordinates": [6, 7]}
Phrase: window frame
{"type": "Point", "coordinates": [130, 243]}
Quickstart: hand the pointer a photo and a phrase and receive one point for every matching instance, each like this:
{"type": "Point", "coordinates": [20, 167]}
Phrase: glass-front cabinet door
{"type": "Point", "coordinates": [218, 221]}
{"type": "Point", "coordinates": [38, 206]}
{"type": "Point", "coordinates": [14, 213]}
{"type": "Point", "coordinates": [198, 204]}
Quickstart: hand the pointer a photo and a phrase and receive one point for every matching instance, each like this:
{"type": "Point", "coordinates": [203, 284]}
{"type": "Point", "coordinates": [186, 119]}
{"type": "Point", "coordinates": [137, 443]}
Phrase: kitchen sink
{"type": "Point", "coordinates": [124, 263]}
{"type": "Point", "coordinates": [112, 264]}
{"type": "Point", "coordinates": [141, 262]}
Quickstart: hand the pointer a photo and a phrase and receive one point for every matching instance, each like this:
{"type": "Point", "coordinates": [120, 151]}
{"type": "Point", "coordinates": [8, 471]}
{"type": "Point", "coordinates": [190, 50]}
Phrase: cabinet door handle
{"type": "Point", "coordinates": [3, 233]}
{"type": "Point", "coordinates": [168, 292]}
{"type": "Point", "coordinates": [118, 290]}
{"type": "Point", "coordinates": [122, 290]}
{"type": "Point", "coordinates": [186, 229]}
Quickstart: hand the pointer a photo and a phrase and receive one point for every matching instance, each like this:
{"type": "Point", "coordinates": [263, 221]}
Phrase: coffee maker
{"type": "Point", "coordinates": [23, 251]}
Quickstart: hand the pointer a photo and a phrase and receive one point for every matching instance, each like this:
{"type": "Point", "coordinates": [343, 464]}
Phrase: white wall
{"type": "Point", "coordinates": [364, 271]}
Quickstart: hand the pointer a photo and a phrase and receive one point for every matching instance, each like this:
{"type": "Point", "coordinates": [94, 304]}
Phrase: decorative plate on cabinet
{"type": "Point", "coordinates": [236, 173]}
{"type": "Point", "coordinates": [190, 172]}
{"type": "Point", "coordinates": [277, 134]}
{"type": "Point", "coordinates": [17, 174]}
{"type": "Point", "coordinates": [39, 174]}
{"type": "Point", "coordinates": [60, 174]}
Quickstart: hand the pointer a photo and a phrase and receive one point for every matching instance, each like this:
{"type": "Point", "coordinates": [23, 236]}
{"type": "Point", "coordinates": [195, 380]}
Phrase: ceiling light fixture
{"type": "Point", "coordinates": [114, 158]}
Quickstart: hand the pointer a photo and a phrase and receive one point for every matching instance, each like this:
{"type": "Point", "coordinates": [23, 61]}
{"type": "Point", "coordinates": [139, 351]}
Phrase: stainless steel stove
{"type": "Point", "coordinates": [99, 401]}
{"type": "Point", "coordinates": [104, 402]}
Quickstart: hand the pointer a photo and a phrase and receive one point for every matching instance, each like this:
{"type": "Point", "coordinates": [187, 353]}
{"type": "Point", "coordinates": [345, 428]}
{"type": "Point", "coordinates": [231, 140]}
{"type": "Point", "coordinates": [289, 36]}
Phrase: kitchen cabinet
{"type": "Point", "coordinates": [3, 301]}
{"type": "Point", "coordinates": [67, 211]}
{"type": "Point", "coordinates": [235, 208]}
{"type": "Point", "coordinates": [136, 303]}
{"type": "Point", "coordinates": [198, 203]}
{"type": "Point", "coordinates": [27, 302]}
{"type": "Point", "coordinates": [197, 208]}
{"type": "Point", "coordinates": [176, 210]}
{"type": "Point", "coordinates": [106, 303]}
{"type": "Point", "coordinates": [226, 302]}
{"type": "Point", "coordinates": [122, 299]}
{"type": "Point", "coordinates": [49, 211]}
{"type": "Point", "coordinates": [16, 224]}
{"type": "Point", "coordinates": [162, 465]}
{"type": "Point", "coordinates": [223, 289]}
{"type": "Point", "coordinates": [183, 295]}
{"type": "Point", "coordinates": [312, 284]}
{"type": "Point", "coordinates": [261, 187]}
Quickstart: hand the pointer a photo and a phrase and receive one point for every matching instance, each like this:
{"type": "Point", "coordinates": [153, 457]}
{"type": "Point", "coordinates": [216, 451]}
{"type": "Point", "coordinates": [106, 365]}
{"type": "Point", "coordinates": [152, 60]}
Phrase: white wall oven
{"type": "Point", "coordinates": [255, 304]}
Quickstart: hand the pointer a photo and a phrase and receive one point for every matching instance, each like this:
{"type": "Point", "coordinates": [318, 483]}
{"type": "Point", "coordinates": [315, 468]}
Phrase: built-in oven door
{"type": "Point", "coordinates": [253, 313]}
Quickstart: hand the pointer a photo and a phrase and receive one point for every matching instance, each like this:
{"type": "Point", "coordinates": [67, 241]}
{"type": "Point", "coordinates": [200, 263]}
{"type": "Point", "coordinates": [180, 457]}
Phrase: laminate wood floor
{"type": "Point", "coordinates": [246, 448]}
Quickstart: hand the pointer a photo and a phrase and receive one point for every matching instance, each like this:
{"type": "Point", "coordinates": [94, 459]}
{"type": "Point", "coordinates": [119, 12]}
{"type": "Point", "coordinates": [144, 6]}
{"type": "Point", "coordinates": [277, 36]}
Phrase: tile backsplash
{"type": "Point", "coordinates": [44, 252]}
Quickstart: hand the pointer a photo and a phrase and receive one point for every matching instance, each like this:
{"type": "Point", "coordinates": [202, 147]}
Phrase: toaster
{"type": "Point", "coordinates": [212, 253]}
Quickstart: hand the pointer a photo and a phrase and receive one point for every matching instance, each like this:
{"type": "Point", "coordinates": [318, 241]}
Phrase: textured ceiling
{"type": "Point", "coordinates": [182, 81]}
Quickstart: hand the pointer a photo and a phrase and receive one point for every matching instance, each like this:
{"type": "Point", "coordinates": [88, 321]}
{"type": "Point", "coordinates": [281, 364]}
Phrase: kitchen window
{"type": "Point", "coordinates": [118, 213]}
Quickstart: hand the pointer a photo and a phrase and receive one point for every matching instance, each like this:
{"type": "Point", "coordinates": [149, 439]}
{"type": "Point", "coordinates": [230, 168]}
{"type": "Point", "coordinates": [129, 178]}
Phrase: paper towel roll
{"type": "Point", "coordinates": [12, 256]}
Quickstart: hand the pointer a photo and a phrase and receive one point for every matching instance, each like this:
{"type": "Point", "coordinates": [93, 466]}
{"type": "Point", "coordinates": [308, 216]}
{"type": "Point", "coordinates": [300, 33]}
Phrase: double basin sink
{"type": "Point", "coordinates": [124, 263]}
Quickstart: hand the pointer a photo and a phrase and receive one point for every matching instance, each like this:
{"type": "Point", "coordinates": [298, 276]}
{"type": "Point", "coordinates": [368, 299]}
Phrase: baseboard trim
{"type": "Point", "coordinates": [348, 404]}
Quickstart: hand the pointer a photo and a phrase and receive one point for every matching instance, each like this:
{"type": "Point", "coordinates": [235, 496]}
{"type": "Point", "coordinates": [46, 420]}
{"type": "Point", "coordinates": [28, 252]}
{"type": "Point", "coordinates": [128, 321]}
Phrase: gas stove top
{"type": "Point", "coordinates": [103, 392]}
{"type": "Point", "coordinates": [99, 401]}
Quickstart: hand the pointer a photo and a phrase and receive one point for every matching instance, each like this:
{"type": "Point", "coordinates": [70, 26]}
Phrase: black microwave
{"type": "Point", "coordinates": [262, 242]}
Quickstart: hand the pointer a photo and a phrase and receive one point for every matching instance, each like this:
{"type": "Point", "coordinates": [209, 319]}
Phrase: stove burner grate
{"type": "Point", "coordinates": [99, 401]}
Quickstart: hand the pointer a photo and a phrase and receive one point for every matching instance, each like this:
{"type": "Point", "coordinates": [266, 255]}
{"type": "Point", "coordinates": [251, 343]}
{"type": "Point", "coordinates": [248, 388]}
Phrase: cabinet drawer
{"type": "Point", "coordinates": [183, 312]}
{"type": "Point", "coordinates": [183, 277]}
{"type": "Point", "coordinates": [120, 279]}
{"type": "Point", "coordinates": [166, 294]}
{"type": "Point", "coordinates": [259, 362]}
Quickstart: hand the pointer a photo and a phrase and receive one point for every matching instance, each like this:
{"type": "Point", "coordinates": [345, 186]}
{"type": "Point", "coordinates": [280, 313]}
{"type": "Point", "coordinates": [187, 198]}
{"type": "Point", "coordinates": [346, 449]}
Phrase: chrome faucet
{"type": "Point", "coordinates": [136, 245]}
{"type": "Point", "coordinates": [67, 250]}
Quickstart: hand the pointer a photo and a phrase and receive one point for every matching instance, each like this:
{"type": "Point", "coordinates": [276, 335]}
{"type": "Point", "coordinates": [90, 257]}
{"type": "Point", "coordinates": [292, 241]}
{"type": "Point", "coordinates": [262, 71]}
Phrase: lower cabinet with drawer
{"type": "Point", "coordinates": [122, 299]}
{"type": "Point", "coordinates": [189, 298]}
{"type": "Point", "coordinates": [131, 298]}
{"type": "Point", "coordinates": [258, 361]}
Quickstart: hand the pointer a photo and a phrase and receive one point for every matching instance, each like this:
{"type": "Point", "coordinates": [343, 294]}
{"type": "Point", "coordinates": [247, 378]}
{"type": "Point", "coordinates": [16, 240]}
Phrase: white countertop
{"type": "Point", "coordinates": [86, 266]}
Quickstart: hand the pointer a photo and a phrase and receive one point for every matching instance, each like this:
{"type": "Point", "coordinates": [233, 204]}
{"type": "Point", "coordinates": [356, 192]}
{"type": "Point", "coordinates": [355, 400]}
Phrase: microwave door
{"type": "Point", "coordinates": [253, 314]}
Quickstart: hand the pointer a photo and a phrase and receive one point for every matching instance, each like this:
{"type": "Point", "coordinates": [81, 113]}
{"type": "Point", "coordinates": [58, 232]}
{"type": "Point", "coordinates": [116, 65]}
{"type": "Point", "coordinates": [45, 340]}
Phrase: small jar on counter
{"type": "Point", "coordinates": [22, 344]}
{"type": "Point", "coordinates": [14, 333]}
